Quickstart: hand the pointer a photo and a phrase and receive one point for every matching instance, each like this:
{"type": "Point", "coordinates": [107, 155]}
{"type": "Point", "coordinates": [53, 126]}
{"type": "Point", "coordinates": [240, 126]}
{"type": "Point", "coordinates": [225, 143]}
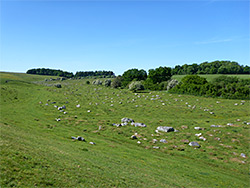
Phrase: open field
{"type": "Point", "coordinates": [37, 150]}
{"type": "Point", "coordinates": [210, 77]}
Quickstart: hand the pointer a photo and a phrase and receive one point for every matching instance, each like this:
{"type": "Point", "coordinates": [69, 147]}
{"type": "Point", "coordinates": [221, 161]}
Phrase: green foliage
{"type": "Point", "coordinates": [160, 74]}
{"type": "Point", "coordinates": [215, 67]}
{"type": "Point", "coordinates": [52, 72]}
{"type": "Point", "coordinates": [133, 74]}
{"type": "Point", "coordinates": [117, 82]}
{"type": "Point", "coordinates": [223, 86]}
{"type": "Point", "coordinates": [94, 73]}
{"type": "Point", "coordinates": [87, 82]}
{"type": "Point", "coordinates": [58, 85]}
{"type": "Point", "coordinates": [136, 86]}
{"type": "Point", "coordinates": [107, 83]}
{"type": "Point", "coordinates": [97, 82]}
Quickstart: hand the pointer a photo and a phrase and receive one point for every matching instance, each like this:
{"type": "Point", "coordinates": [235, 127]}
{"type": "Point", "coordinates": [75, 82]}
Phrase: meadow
{"type": "Point", "coordinates": [38, 151]}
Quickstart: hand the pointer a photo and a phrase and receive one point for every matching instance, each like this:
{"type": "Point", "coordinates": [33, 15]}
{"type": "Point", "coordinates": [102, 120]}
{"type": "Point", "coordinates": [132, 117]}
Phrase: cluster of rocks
{"type": "Point", "coordinates": [79, 138]}
{"type": "Point", "coordinates": [165, 129]}
{"type": "Point", "coordinates": [127, 121]}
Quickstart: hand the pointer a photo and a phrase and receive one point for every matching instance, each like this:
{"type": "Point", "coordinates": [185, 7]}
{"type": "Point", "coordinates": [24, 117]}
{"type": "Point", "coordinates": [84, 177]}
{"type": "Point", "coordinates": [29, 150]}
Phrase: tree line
{"type": "Point", "coordinates": [54, 72]}
{"type": "Point", "coordinates": [215, 67]}
{"type": "Point", "coordinates": [51, 72]}
{"type": "Point", "coordinates": [95, 73]}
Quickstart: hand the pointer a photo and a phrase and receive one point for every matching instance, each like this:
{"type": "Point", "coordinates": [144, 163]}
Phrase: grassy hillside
{"type": "Point", "coordinates": [210, 77]}
{"type": "Point", "coordinates": [37, 150]}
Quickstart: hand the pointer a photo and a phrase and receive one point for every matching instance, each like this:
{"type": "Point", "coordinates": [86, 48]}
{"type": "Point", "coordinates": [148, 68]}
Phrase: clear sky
{"type": "Point", "coordinates": [118, 35]}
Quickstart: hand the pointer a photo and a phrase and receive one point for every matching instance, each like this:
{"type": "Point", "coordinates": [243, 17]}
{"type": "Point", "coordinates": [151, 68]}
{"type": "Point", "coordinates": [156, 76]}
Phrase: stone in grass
{"type": "Point", "coordinates": [243, 155]}
{"type": "Point", "coordinates": [215, 126]}
{"type": "Point", "coordinates": [154, 141]}
{"type": "Point", "coordinates": [156, 147]}
{"type": "Point", "coordinates": [92, 143]}
{"type": "Point", "coordinates": [163, 141]}
{"type": "Point", "coordinates": [133, 137]}
{"type": "Point", "coordinates": [123, 120]}
{"type": "Point", "coordinates": [78, 138]}
{"type": "Point", "coordinates": [165, 129]}
{"type": "Point", "coordinates": [138, 124]}
{"type": "Point", "coordinates": [194, 144]}
{"type": "Point", "coordinates": [197, 128]}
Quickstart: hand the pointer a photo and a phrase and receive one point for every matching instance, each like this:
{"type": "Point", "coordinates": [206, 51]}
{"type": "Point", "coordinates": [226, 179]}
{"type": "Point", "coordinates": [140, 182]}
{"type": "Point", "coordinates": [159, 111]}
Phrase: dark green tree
{"type": "Point", "coordinates": [160, 74]}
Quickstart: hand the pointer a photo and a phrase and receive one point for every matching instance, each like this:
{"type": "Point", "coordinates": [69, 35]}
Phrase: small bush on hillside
{"type": "Point", "coordinates": [97, 82]}
{"type": "Point", "coordinates": [87, 82]}
{"type": "Point", "coordinates": [58, 85]}
{"type": "Point", "coordinates": [117, 82]}
{"type": "Point", "coordinates": [136, 86]}
{"type": "Point", "coordinates": [107, 83]}
{"type": "Point", "coordinates": [172, 83]}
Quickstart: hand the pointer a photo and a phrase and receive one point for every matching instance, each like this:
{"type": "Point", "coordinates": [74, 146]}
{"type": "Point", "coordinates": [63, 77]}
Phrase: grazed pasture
{"type": "Point", "coordinates": [37, 148]}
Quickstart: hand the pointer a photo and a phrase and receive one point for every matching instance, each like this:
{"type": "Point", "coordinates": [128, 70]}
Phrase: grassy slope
{"type": "Point", "coordinates": [37, 151]}
{"type": "Point", "coordinates": [210, 77]}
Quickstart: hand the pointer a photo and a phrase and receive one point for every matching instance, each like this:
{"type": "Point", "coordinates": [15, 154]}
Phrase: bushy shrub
{"type": "Point", "coordinates": [97, 82]}
{"type": "Point", "coordinates": [58, 85]}
{"type": "Point", "coordinates": [172, 83]}
{"type": "Point", "coordinates": [136, 86]}
{"type": "Point", "coordinates": [87, 82]}
{"type": "Point", "coordinates": [225, 87]}
{"type": "Point", "coordinates": [117, 82]}
{"type": "Point", "coordinates": [107, 83]}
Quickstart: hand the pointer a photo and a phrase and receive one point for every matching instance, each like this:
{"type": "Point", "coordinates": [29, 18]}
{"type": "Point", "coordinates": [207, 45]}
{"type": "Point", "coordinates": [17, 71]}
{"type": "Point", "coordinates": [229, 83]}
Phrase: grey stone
{"type": "Point", "coordinates": [63, 107]}
{"type": "Point", "coordinates": [92, 143]}
{"type": "Point", "coordinates": [138, 124]}
{"type": "Point", "coordinates": [243, 155]}
{"type": "Point", "coordinates": [215, 126]}
{"type": "Point", "coordinates": [165, 129]}
{"type": "Point", "coordinates": [154, 140]}
{"type": "Point", "coordinates": [163, 141]}
{"type": "Point", "coordinates": [117, 125]}
{"type": "Point", "coordinates": [156, 147]}
{"type": "Point", "coordinates": [133, 137]}
{"type": "Point", "coordinates": [194, 144]}
{"type": "Point", "coordinates": [80, 138]}
{"type": "Point", "coordinates": [123, 120]}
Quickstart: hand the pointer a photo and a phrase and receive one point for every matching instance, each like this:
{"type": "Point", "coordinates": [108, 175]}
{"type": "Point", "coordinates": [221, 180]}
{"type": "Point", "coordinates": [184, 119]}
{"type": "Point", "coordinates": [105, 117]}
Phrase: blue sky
{"type": "Point", "coordinates": [118, 35]}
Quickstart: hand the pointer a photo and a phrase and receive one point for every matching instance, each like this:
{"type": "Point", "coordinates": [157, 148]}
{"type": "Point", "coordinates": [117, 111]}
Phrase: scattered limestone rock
{"type": "Point", "coordinates": [194, 144]}
{"type": "Point", "coordinates": [199, 134]}
{"type": "Point", "coordinates": [154, 141]}
{"type": "Point", "coordinates": [156, 147]}
{"type": "Point", "coordinates": [163, 141]}
{"type": "Point", "coordinates": [78, 138]}
{"type": "Point", "coordinates": [92, 143]}
{"type": "Point", "coordinates": [128, 120]}
{"type": "Point", "coordinates": [215, 126]}
{"type": "Point", "coordinates": [243, 155]}
{"type": "Point", "coordinates": [58, 119]}
{"type": "Point", "coordinates": [78, 106]}
{"type": "Point", "coordinates": [165, 129]}
{"type": "Point", "coordinates": [138, 124]}
{"type": "Point", "coordinates": [197, 128]}
{"type": "Point", "coordinates": [133, 137]}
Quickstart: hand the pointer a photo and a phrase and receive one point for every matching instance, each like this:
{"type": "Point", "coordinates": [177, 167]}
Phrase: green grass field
{"type": "Point", "coordinates": [37, 151]}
